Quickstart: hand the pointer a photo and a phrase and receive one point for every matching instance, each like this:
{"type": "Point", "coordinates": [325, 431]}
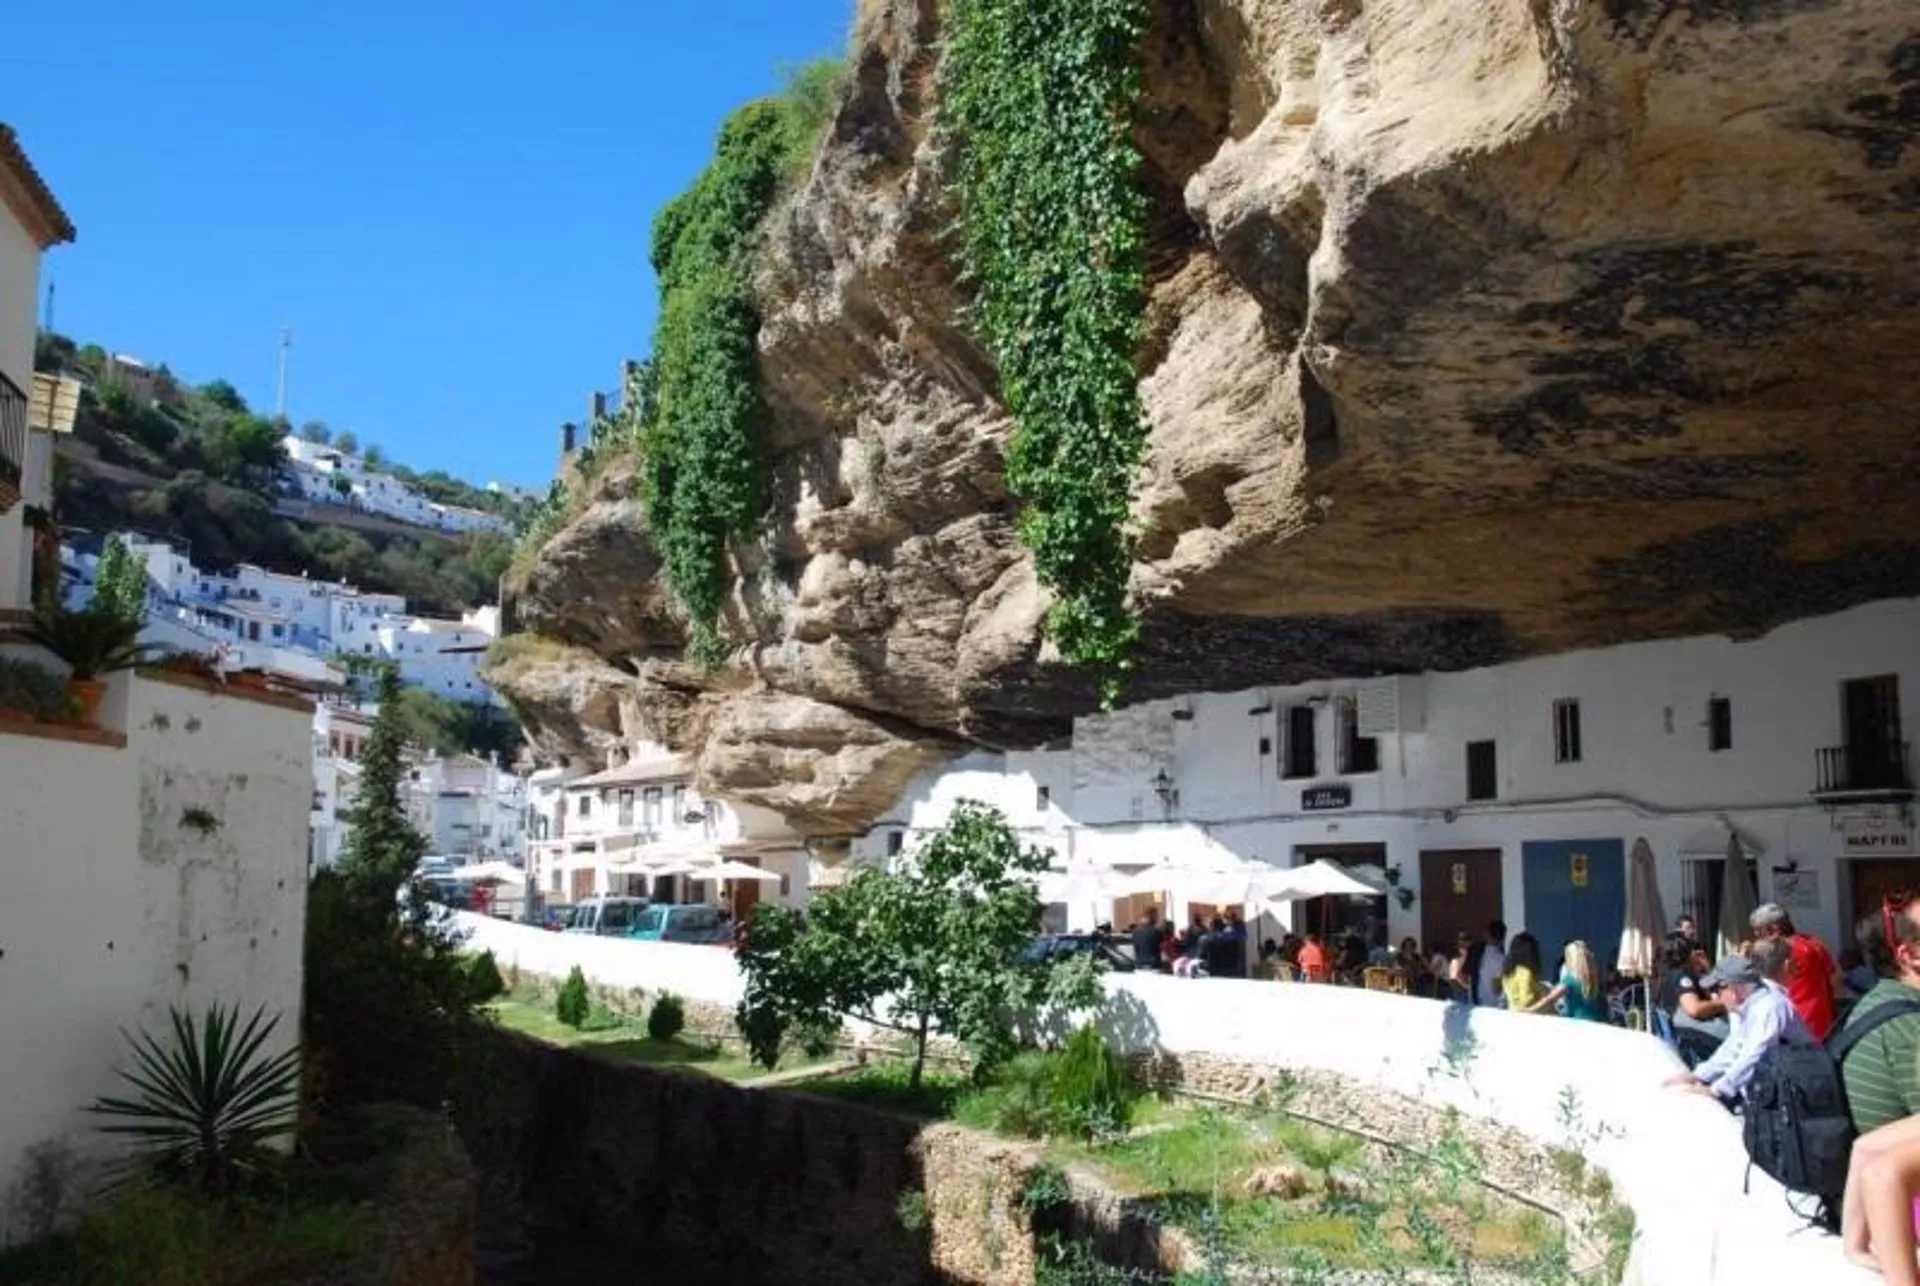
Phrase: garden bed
{"type": "Point", "coordinates": [607, 1034]}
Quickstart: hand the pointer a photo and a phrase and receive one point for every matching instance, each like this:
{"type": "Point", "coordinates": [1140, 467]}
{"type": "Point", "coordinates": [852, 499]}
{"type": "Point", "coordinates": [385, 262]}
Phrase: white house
{"type": "Point", "coordinates": [326, 475]}
{"type": "Point", "coordinates": [1511, 792]}
{"type": "Point", "coordinates": [639, 828]}
{"type": "Point", "coordinates": [468, 807]}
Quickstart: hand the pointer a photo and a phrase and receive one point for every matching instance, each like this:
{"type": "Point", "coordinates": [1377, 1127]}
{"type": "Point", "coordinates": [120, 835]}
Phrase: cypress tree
{"type": "Point", "coordinates": [384, 848]}
{"type": "Point", "coordinates": [120, 584]}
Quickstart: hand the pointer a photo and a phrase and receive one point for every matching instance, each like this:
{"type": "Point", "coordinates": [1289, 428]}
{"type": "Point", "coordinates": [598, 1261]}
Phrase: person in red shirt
{"type": "Point", "coordinates": [1811, 980]}
{"type": "Point", "coordinates": [1314, 966]}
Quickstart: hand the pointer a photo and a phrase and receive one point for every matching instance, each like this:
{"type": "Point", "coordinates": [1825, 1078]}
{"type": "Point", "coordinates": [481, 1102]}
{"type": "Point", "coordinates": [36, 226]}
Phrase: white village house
{"type": "Point", "coordinates": [1511, 792]}
{"type": "Point", "coordinates": [156, 859]}
{"type": "Point", "coordinates": [326, 475]}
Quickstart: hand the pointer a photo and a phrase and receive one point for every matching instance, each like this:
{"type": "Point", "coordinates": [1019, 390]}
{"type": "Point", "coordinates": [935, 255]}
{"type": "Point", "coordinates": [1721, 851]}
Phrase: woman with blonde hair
{"type": "Point", "coordinates": [1577, 993]}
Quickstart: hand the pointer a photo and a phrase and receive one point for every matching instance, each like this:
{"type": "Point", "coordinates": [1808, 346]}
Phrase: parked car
{"type": "Point", "coordinates": [608, 917]}
{"type": "Point", "coordinates": [694, 922]}
{"type": "Point", "coordinates": [556, 919]}
{"type": "Point", "coordinates": [1063, 946]}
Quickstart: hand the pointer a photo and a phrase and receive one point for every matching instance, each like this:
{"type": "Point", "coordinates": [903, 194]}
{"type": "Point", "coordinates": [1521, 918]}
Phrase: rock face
{"type": "Point", "coordinates": [1477, 329]}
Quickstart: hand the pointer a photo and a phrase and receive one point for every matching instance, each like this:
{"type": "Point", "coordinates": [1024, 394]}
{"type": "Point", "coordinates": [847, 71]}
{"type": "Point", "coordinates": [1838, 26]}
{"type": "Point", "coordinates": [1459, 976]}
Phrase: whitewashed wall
{"type": "Point", "coordinates": [115, 910]}
{"type": "Point", "coordinates": [1646, 768]}
{"type": "Point", "coordinates": [706, 974]}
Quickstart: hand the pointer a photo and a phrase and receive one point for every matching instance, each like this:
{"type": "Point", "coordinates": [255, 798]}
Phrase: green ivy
{"type": "Point", "coordinates": [1039, 99]}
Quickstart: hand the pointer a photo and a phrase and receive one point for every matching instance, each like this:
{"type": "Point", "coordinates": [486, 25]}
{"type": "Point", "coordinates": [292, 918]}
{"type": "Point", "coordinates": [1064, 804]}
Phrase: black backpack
{"type": "Point", "coordinates": [1797, 1126]}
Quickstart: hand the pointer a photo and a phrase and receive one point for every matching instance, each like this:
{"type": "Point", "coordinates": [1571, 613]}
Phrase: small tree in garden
{"type": "Point", "coordinates": [384, 847]}
{"type": "Point", "coordinates": [667, 1018]}
{"type": "Point", "coordinates": [930, 946]}
{"type": "Point", "coordinates": [120, 583]}
{"type": "Point", "coordinates": [571, 1005]}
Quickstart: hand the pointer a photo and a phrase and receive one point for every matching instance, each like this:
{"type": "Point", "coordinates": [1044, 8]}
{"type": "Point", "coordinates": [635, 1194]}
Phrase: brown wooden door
{"type": "Point", "coordinates": [582, 885]}
{"type": "Point", "coordinates": [745, 895]}
{"type": "Point", "coordinates": [1873, 878]}
{"type": "Point", "coordinates": [1459, 893]}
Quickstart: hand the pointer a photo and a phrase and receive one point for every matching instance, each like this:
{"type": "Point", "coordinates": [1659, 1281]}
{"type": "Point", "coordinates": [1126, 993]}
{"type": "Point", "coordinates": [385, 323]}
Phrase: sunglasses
{"type": "Point", "coordinates": [1893, 904]}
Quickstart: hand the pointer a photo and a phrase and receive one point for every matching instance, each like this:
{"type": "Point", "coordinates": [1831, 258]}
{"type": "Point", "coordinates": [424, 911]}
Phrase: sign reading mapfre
{"type": "Point", "coordinates": [1878, 833]}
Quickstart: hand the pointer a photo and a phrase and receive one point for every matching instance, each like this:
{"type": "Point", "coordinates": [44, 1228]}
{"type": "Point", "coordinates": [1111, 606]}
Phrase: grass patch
{"type": "Point", "coordinates": [886, 1086]}
{"type": "Point", "coordinates": [608, 1035]}
{"type": "Point", "coordinates": [170, 1237]}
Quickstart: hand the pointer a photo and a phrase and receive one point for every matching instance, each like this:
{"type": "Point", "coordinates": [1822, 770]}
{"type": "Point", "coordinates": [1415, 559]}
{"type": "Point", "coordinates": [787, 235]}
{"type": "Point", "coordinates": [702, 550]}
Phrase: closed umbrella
{"type": "Point", "coordinates": [1646, 921]}
{"type": "Point", "coordinates": [1736, 901]}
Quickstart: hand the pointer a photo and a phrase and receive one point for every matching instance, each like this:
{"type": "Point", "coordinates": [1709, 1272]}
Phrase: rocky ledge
{"type": "Point", "coordinates": [1477, 329]}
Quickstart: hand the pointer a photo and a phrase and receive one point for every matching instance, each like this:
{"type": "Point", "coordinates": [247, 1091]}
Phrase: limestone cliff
{"type": "Point", "coordinates": [1477, 328]}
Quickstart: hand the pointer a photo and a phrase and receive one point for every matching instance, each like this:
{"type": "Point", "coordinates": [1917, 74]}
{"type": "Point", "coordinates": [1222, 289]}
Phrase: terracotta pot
{"type": "Point", "coordinates": [89, 693]}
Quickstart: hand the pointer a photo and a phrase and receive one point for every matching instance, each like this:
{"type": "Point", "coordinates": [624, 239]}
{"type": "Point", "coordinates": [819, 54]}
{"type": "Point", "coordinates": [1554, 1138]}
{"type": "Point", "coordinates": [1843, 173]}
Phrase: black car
{"type": "Point", "coordinates": [1064, 946]}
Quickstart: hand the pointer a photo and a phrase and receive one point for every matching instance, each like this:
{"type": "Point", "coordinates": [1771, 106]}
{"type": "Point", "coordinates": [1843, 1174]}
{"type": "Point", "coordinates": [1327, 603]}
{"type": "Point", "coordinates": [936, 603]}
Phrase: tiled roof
{"type": "Point", "coordinates": [638, 770]}
{"type": "Point", "coordinates": [28, 195]}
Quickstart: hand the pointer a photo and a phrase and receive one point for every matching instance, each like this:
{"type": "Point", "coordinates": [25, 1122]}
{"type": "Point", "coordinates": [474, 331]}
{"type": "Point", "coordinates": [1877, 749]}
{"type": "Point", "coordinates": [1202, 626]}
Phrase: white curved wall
{"type": "Point", "coordinates": [1675, 1158]}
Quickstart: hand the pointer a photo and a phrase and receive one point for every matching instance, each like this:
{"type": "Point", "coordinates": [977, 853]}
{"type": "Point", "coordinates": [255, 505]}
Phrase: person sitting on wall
{"type": "Point", "coordinates": [1230, 947]}
{"type": "Point", "coordinates": [1353, 958]}
{"type": "Point", "coordinates": [1314, 965]}
{"type": "Point", "coordinates": [1811, 979]}
{"type": "Point", "coordinates": [1699, 1020]}
{"type": "Point", "coordinates": [1478, 973]}
{"type": "Point", "coordinates": [1264, 967]}
{"type": "Point", "coordinates": [1520, 984]}
{"type": "Point", "coordinates": [1149, 936]}
{"type": "Point", "coordinates": [1759, 1015]}
{"type": "Point", "coordinates": [1577, 993]}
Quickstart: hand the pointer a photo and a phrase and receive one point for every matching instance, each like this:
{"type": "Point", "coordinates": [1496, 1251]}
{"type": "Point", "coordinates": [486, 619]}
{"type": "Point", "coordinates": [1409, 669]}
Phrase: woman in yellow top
{"type": "Point", "coordinates": [1520, 980]}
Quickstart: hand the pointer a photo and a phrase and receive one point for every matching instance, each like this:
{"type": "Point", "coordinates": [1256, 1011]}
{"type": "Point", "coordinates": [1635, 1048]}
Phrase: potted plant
{"type": "Point", "coordinates": [93, 643]}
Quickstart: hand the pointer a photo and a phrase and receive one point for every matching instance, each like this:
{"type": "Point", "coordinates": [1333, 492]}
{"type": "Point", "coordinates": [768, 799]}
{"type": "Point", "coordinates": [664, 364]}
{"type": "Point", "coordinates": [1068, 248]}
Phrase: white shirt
{"type": "Point", "coordinates": [1493, 963]}
{"type": "Point", "coordinates": [1752, 1029]}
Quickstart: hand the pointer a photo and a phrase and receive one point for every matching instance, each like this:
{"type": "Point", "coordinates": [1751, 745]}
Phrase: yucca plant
{"type": "Point", "coordinates": [210, 1101]}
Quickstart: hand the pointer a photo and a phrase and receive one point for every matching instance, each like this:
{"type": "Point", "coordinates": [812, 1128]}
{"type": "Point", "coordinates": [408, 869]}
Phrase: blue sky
{"type": "Point", "coordinates": [448, 201]}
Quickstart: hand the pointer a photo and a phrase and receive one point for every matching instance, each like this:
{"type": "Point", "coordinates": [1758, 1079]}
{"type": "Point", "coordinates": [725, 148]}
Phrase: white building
{"type": "Point", "coordinates": [639, 828]}
{"type": "Point", "coordinates": [468, 808]}
{"type": "Point", "coordinates": [156, 859]}
{"type": "Point", "coordinates": [1514, 791]}
{"type": "Point", "coordinates": [326, 475]}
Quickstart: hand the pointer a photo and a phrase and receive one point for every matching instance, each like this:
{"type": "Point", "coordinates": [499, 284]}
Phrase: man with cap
{"type": "Point", "coordinates": [1759, 1016]}
{"type": "Point", "coordinates": [1811, 978]}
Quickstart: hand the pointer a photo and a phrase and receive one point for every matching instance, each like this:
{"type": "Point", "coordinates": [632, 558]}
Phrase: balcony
{"type": "Point", "coordinates": [1864, 770]}
{"type": "Point", "coordinates": [13, 442]}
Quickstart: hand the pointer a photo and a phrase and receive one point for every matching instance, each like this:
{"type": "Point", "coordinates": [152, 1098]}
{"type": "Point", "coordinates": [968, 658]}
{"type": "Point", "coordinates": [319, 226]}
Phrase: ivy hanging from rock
{"type": "Point", "coordinates": [1039, 97]}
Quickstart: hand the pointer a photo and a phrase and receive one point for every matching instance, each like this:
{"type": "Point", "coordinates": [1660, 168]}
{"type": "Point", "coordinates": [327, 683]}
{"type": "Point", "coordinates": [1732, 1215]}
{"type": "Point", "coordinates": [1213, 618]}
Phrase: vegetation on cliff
{"type": "Point", "coordinates": [1038, 99]}
{"type": "Point", "coordinates": [197, 465]}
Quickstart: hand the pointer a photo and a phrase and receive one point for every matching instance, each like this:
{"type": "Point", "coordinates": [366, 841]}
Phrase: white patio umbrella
{"type": "Point", "coordinates": [1736, 902]}
{"type": "Point", "coordinates": [1646, 919]}
{"type": "Point", "coordinates": [731, 871]}
{"type": "Point", "coordinates": [1083, 884]}
{"type": "Point", "coordinates": [1321, 879]}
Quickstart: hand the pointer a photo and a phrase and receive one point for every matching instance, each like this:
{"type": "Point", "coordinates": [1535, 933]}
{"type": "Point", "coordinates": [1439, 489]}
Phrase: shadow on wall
{"type": "Point", "coordinates": [648, 1174]}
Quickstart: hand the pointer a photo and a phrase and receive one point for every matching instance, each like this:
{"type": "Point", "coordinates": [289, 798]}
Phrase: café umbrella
{"type": "Point", "coordinates": [1646, 919]}
{"type": "Point", "coordinates": [1736, 901]}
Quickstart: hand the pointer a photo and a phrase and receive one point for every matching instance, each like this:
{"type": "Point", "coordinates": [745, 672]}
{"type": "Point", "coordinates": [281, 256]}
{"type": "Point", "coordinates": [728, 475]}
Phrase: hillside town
{"type": "Point", "coordinates": [1211, 647]}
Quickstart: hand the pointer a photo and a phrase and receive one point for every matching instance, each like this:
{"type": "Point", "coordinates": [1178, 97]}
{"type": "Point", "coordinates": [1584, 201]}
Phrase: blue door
{"type": "Point", "coordinates": [1575, 889]}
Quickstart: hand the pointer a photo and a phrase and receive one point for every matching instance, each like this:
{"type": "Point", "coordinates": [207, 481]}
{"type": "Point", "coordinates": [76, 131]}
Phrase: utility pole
{"type": "Point", "coordinates": [47, 325]}
{"type": "Point", "coordinates": [286, 347]}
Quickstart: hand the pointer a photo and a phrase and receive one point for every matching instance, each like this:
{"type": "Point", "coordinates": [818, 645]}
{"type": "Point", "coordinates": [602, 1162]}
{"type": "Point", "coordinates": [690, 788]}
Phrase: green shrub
{"type": "Point", "coordinates": [1021, 1100]}
{"type": "Point", "coordinates": [571, 1005]}
{"type": "Point", "coordinates": [1093, 1095]}
{"type": "Point", "coordinates": [911, 1210]}
{"type": "Point", "coordinates": [667, 1018]}
{"type": "Point", "coordinates": [483, 978]}
{"type": "Point", "coordinates": [34, 690]}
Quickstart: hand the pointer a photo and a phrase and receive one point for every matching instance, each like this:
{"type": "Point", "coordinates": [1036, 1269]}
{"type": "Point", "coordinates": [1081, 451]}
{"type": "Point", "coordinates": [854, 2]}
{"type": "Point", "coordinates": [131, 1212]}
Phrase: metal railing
{"type": "Point", "coordinates": [1862, 767]}
{"type": "Point", "coordinates": [13, 441]}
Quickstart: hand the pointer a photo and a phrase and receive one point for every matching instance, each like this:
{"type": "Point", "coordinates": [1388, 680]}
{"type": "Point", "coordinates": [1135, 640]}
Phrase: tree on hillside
{"type": "Point", "coordinates": [225, 396]}
{"type": "Point", "coordinates": [383, 848]}
{"type": "Point", "coordinates": [346, 442]}
{"type": "Point", "coordinates": [931, 946]}
{"type": "Point", "coordinates": [246, 451]}
{"type": "Point", "coordinates": [452, 727]}
{"type": "Point", "coordinates": [120, 583]}
{"type": "Point", "coordinates": [372, 456]}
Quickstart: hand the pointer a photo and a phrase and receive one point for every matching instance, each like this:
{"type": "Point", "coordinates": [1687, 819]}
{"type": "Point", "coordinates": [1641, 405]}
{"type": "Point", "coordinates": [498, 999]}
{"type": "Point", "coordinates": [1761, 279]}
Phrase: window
{"type": "Point", "coordinates": [1719, 723]}
{"type": "Point", "coordinates": [556, 879]}
{"type": "Point", "coordinates": [1298, 759]}
{"type": "Point", "coordinates": [679, 805]}
{"type": "Point", "coordinates": [1043, 797]}
{"type": "Point", "coordinates": [585, 806]}
{"type": "Point", "coordinates": [1566, 731]}
{"type": "Point", "coordinates": [1483, 773]}
{"type": "Point", "coordinates": [1358, 754]}
{"type": "Point", "coordinates": [626, 808]}
{"type": "Point", "coordinates": [895, 841]}
{"type": "Point", "coordinates": [650, 808]}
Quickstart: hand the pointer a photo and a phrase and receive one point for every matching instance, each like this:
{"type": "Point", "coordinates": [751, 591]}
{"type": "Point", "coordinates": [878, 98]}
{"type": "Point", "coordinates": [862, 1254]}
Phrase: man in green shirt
{"type": "Point", "coordinates": [1883, 1082]}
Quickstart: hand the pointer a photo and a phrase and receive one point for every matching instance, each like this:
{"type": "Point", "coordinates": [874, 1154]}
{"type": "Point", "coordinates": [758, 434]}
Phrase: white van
{"type": "Point", "coordinates": [607, 917]}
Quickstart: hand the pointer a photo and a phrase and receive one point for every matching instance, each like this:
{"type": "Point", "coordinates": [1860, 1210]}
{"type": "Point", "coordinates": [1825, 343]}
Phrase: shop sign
{"type": "Point", "coordinates": [1878, 833]}
{"type": "Point", "coordinates": [1316, 799]}
{"type": "Point", "coordinates": [1460, 879]}
{"type": "Point", "coordinates": [1579, 872]}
